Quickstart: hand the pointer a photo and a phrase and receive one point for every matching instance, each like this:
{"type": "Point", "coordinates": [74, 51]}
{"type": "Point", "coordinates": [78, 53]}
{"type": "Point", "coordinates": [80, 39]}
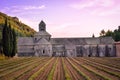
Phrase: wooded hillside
{"type": "Point", "coordinates": [20, 28]}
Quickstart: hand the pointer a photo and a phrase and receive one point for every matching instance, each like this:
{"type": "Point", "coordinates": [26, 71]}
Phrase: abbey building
{"type": "Point", "coordinates": [43, 45]}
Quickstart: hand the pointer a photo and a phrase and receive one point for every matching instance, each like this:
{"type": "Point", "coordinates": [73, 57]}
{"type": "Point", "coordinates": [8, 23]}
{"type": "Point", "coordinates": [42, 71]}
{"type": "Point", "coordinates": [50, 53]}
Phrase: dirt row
{"type": "Point", "coordinates": [16, 71]}
{"type": "Point", "coordinates": [59, 68]}
{"type": "Point", "coordinates": [14, 65]}
{"type": "Point", "coordinates": [31, 71]}
{"type": "Point", "coordinates": [72, 72]}
{"type": "Point", "coordinates": [111, 62]}
{"type": "Point", "coordinates": [43, 75]}
{"type": "Point", "coordinates": [59, 71]}
{"type": "Point", "coordinates": [88, 73]}
{"type": "Point", "coordinates": [98, 69]}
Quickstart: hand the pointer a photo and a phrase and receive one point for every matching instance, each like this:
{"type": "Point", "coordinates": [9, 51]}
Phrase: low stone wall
{"type": "Point", "coordinates": [117, 44]}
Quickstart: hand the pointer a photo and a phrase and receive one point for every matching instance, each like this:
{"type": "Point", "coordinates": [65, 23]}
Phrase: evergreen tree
{"type": "Point", "coordinates": [14, 50]}
{"type": "Point", "coordinates": [9, 40]}
{"type": "Point", "coordinates": [109, 33]}
{"type": "Point", "coordinates": [93, 36]}
{"type": "Point", "coordinates": [114, 34]}
{"type": "Point", "coordinates": [5, 39]}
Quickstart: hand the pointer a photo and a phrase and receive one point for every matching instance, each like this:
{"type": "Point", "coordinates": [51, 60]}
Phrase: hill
{"type": "Point", "coordinates": [21, 29]}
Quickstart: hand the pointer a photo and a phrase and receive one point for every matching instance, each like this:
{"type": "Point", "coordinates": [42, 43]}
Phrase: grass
{"type": "Point", "coordinates": [16, 69]}
{"type": "Point", "coordinates": [102, 67]}
{"type": "Point", "coordinates": [31, 67]}
{"type": "Point", "coordinates": [76, 68]}
{"type": "Point", "coordinates": [20, 67]}
{"type": "Point", "coordinates": [50, 75]}
{"type": "Point", "coordinates": [39, 71]}
{"type": "Point", "coordinates": [104, 77]}
{"type": "Point", "coordinates": [2, 57]}
{"type": "Point", "coordinates": [67, 76]}
{"type": "Point", "coordinates": [92, 71]}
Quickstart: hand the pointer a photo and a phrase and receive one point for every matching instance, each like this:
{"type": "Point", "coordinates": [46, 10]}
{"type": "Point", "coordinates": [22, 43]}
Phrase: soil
{"type": "Point", "coordinates": [44, 74]}
{"type": "Point", "coordinates": [91, 75]}
{"type": "Point", "coordinates": [59, 71]}
{"type": "Point", "coordinates": [72, 72]}
{"type": "Point", "coordinates": [29, 73]}
{"type": "Point", "coordinates": [98, 71]}
{"type": "Point", "coordinates": [10, 69]}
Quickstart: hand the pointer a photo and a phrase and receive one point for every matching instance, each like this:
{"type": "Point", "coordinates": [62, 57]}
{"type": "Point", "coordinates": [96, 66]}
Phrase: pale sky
{"type": "Point", "coordinates": [66, 18]}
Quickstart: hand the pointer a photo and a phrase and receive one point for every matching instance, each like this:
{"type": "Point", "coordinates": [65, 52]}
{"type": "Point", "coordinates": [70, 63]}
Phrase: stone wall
{"type": "Point", "coordinates": [43, 50]}
{"type": "Point", "coordinates": [117, 49]}
{"type": "Point", "coordinates": [25, 50]}
{"type": "Point", "coordinates": [58, 50]}
{"type": "Point", "coordinates": [70, 47]}
{"type": "Point", "coordinates": [70, 53]}
{"type": "Point", "coordinates": [95, 50]}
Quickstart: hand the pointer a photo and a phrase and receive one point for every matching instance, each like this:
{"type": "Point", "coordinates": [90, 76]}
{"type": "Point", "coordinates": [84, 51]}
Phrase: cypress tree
{"type": "Point", "coordinates": [9, 40]}
{"type": "Point", "coordinates": [14, 50]}
{"type": "Point", "coordinates": [5, 39]}
{"type": "Point", "coordinates": [12, 41]}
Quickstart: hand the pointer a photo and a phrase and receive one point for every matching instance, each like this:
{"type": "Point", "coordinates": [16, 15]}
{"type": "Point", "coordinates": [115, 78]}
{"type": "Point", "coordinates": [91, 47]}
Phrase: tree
{"type": "Point", "coordinates": [9, 40]}
{"type": "Point", "coordinates": [5, 39]}
{"type": "Point", "coordinates": [114, 34]}
{"type": "Point", "coordinates": [14, 50]}
{"type": "Point", "coordinates": [102, 33]}
{"type": "Point", "coordinates": [93, 36]}
{"type": "Point", "coordinates": [109, 33]}
{"type": "Point", "coordinates": [119, 28]}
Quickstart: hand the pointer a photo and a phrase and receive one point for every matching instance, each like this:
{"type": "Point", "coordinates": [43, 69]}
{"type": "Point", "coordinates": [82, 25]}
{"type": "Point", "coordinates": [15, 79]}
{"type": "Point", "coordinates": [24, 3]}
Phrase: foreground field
{"type": "Point", "coordinates": [60, 68]}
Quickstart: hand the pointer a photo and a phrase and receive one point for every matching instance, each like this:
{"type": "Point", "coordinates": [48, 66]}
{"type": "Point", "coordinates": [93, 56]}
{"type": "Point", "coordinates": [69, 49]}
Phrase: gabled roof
{"type": "Point", "coordinates": [83, 41]}
{"type": "Point", "coordinates": [66, 41]}
{"type": "Point", "coordinates": [42, 41]}
{"type": "Point", "coordinates": [41, 33]}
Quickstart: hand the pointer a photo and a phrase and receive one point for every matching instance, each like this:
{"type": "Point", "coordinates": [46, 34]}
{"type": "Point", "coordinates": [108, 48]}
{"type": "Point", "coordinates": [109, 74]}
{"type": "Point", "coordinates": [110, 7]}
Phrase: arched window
{"type": "Point", "coordinates": [49, 38]}
{"type": "Point", "coordinates": [43, 51]}
{"type": "Point", "coordinates": [35, 39]}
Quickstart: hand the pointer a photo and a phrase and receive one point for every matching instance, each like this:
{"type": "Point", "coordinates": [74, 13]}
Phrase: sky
{"type": "Point", "coordinates": [66, 18]}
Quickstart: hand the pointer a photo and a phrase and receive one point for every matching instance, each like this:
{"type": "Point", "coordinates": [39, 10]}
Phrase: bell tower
{"type": "Point", "coordinates": [42, 26]}
{"type": "Point", "coordinates": [42, 32]}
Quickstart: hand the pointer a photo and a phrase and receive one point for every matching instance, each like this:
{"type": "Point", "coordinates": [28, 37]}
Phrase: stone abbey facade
{"type": "Point", "coordinates": [43, 45]}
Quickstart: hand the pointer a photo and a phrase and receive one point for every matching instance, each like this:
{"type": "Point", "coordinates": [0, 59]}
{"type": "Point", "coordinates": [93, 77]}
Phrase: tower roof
{"type": "Point", "coordinates": [42, 26]}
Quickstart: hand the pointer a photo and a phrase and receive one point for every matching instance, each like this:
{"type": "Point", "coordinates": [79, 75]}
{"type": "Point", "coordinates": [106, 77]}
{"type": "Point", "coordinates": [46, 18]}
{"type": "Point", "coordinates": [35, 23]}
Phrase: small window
{"type": "Point", "coordinates": [35, 39]}
{"type": "Point", "coordinates": [42, 29]}
{"type": "Point", "coordinates": [43, 51]}
{"type": "Point", "coordinates": [109, 49]}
